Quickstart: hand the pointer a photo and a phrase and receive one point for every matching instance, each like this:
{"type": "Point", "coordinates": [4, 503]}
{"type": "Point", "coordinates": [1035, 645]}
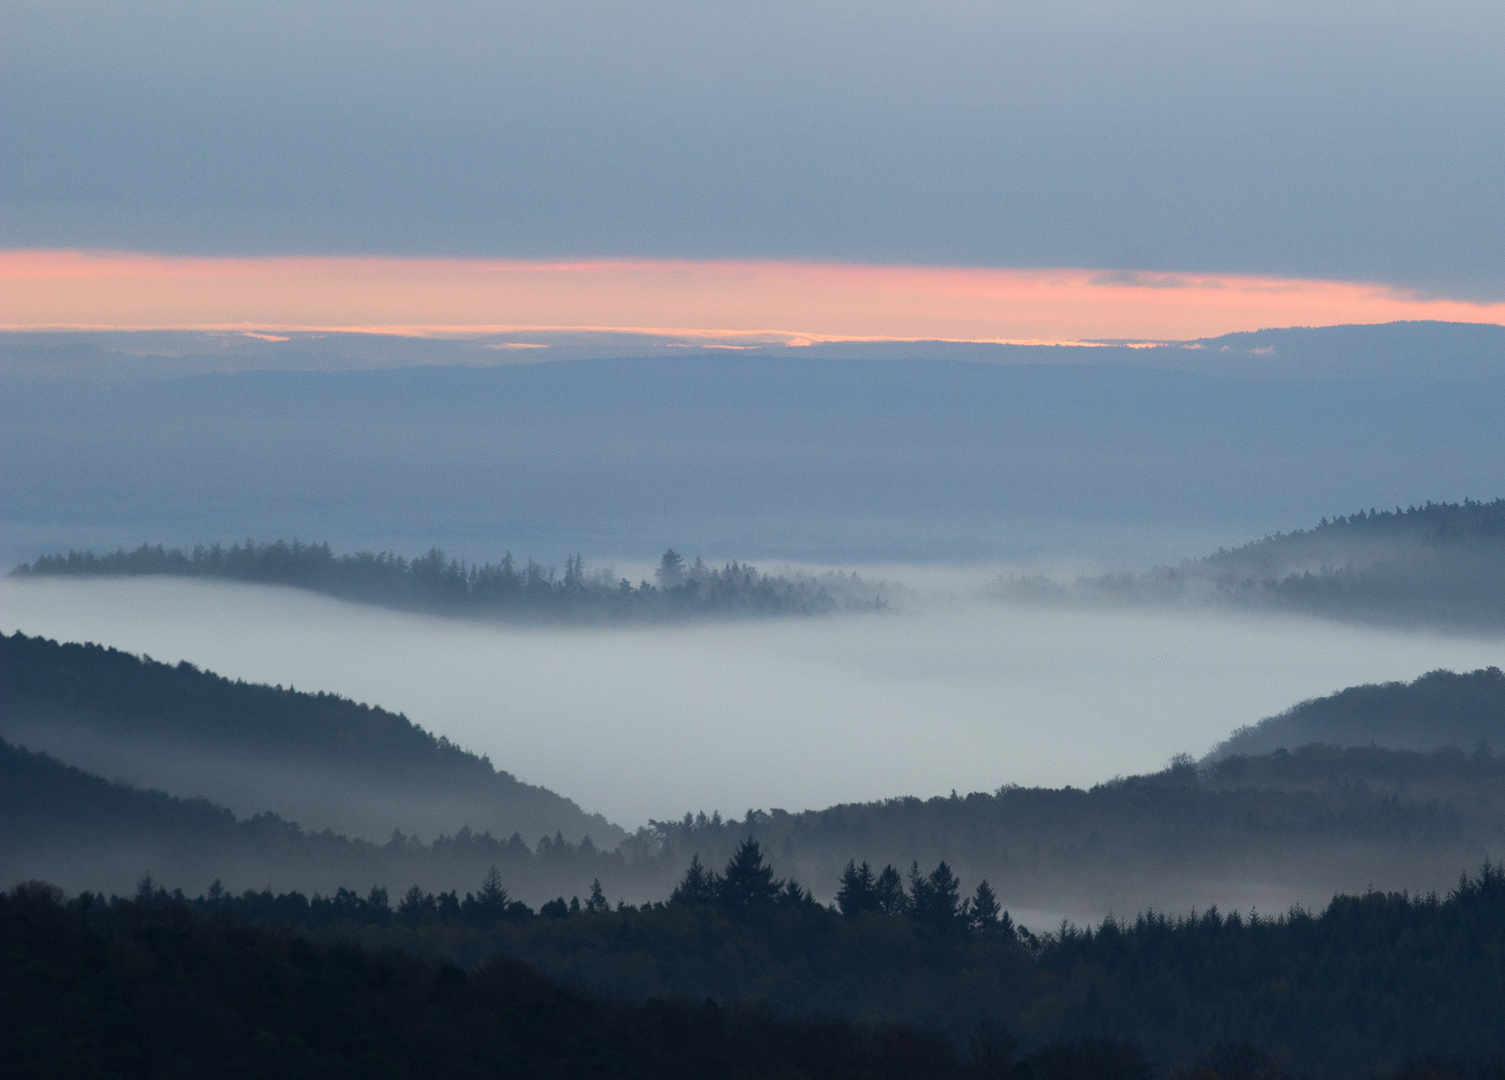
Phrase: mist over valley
{"type": "Point", "coordinates": [649, 722]}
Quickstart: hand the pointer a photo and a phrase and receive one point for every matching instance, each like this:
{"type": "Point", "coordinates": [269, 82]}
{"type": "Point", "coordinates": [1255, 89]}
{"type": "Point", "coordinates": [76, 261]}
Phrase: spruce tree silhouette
{"type": "Point", "coordinates": [859, 890]}
{"type": "Point", "coordinates": [889, 892]}
{"type": "Point", "coordinates": [747, 881]}
{"type": "Point", "coordinates": [983, 910]}
{"type": "Point", "coordinates": [698, 886]}
{"type": "Point", "coordinates": [597, 904]}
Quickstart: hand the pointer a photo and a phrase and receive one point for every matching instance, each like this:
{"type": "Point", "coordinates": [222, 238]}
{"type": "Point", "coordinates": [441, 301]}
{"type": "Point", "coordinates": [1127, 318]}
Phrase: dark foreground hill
{"type": "Point", "coordinates": [1376, 984]}
{"type": "Point", "coordinates": [1441, 565]}
{"type": "Point", "coordinates": [318, 759]}
{"type": "Point", "coordinates": [1442, 708]}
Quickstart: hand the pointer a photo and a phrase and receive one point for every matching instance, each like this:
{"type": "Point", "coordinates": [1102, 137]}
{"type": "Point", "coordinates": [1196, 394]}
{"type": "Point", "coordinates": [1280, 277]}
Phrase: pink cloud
{"type": "Point", "coordinates": [729, 302]}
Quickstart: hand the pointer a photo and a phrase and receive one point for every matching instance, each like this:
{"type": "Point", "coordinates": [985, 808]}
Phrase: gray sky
{"type": "Point", "coordinates": [1352, 140]}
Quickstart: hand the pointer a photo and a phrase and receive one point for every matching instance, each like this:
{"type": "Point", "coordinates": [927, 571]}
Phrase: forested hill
{"type": "Point", "coordinates": [436, 583]}
{"type": "Point", "coordinates": [1269, 831]}
{"type": "Point", "coordinates": [80, 830]}
{"type": "Point", "coordinates": [1441, 565]}
{"type": "Point", "coordinates": [319, 759]}
{"type": "Point", "coordinates": [1441, 708]}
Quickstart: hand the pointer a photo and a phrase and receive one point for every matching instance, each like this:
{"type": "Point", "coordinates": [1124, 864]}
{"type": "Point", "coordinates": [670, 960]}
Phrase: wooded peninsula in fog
{"type": "Point", "coordinates": [436, 583]}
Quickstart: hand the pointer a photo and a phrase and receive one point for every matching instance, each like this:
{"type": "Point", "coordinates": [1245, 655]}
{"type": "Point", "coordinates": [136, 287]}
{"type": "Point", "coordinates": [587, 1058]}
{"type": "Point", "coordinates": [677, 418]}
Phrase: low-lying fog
{"type": "Point", "coordinates": [650, 722]}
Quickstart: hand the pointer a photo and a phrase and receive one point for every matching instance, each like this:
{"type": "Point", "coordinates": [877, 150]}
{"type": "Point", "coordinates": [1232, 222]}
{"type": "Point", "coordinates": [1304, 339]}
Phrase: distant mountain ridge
{"type": "Point", "coordinates": [319, 759]}
{"type": "Point", "coordinates": [874, 453]}
{"type": "Point", "coordinates": [1406, 349]}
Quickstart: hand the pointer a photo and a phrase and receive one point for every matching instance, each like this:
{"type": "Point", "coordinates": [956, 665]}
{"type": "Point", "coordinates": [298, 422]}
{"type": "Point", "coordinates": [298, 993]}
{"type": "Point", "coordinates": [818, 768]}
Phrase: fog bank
{"type": "Point", "coordinates": [646, 723]}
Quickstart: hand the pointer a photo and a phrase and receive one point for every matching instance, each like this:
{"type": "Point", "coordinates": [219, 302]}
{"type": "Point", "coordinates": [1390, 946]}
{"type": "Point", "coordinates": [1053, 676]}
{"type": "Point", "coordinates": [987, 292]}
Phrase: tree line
{"type": "Point", "coordinates": [436, 582]}
{"type": "Point", "coordinates": [1406, 985]}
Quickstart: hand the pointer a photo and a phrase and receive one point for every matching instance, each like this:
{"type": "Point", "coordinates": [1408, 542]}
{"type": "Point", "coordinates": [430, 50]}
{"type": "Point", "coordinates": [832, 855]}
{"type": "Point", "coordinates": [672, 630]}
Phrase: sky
{"type": "Point", "coordinates": [967, 170]}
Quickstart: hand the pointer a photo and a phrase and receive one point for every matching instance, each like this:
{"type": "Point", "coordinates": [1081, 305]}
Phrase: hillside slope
{"type": "Point", "coordinates": [64, 825]}
{"type": "Point", "coordinates": [1441, 708]}
{"type": "Point", "coordinates": [319, 759]}
{"type": "Point", "coordinates": [1252, 831]}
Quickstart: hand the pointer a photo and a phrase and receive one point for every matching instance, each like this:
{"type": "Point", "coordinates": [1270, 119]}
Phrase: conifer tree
{"type": "Point", "coordinates": [597, 904]}
{"type": "Point", "coordinates": [983, 910]}
{"type": "Point", "coordinates": [747, 881]}
{"type": "Point", "coordinates": [859, 891]}
{"type": "Point", "coordinates": [698, 886]}
{"type": "Point", "coordinates": [889, 892]}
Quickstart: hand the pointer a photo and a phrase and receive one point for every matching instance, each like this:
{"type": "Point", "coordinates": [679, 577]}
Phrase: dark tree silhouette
{"type": "Point", "coordinates": [983, 910]}
{"type": "Point", "coordinates": [747, 881]}
{"type": "Point", "coordinates": [889, 892]}
{"type": "Point", "coordinates": [698, 886]}
{"type": "Point", "coordinates": [935, 900]}
{"type": "Point", "coordinates": [597, 904]}
{"type": "Point", "coordinates": [859, 890]}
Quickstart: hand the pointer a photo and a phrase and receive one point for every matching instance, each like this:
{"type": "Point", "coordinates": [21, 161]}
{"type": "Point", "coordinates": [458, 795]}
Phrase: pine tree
{"type": "Point", "coordinates": [918, 906]}
{"type": "Point", "coordinates": [747, 882]}
{"type": "Point", "coordinates": [889, 892]}
{"type": "Point", "coordinates": [492, 897]}
{"type": "Point", "coordinates": [793, 895]}
{"type": "Point", "coordinates": [945, 896]}
{"type": "Point", "coordinates": [984, 910]}
{"type": "Point", "coordinates": [698, 886]}
{"type": "Point", "coordinates": [597, 904]}
{"type": "Point", "coordinates": [414, 903]}
{"type": "Point", "coordinates": [934, 900]}
{"type": "Point", "coordinates": [858, 892]}
{"type": "Point", "coordinates": [671, 570]}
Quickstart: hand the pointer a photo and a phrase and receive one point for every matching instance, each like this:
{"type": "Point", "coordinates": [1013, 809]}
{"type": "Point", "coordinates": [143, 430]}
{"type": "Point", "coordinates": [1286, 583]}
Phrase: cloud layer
{"type": "Point", "coordinates": [1357, 141]}
{"type": "Point", "coordinates": [722, 302]}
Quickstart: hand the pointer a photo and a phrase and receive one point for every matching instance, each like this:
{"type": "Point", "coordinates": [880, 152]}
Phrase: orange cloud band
{"type": "Point", "coordinates": [772, 301]}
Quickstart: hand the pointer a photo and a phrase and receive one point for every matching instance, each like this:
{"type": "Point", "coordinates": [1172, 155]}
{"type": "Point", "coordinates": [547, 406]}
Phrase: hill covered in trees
{"type": "Point", "coordinates": [1283, 828]}
{"type": "Point", "coordinates": [504, 590]}
{"type": "Point", "coordinates": [1273, 828]}
{"type": "Point", "coordinates": [1441, 708]}
{"type": "Point", "coordinates": [319, 759]}
{"type": "Point", "coordinates": [748, 979]}
{"type": "Point", "coordinates": [1440, 565]}
{"type": "Point", "coordinates": [1265, 831]}
{"type": "Point", "coordinates": [84, 832]}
